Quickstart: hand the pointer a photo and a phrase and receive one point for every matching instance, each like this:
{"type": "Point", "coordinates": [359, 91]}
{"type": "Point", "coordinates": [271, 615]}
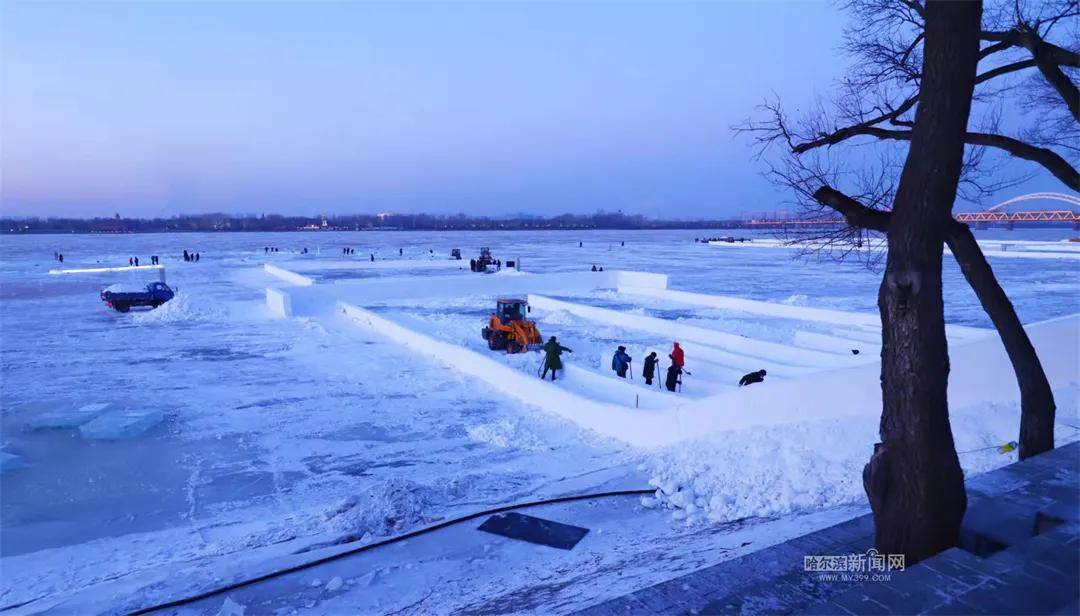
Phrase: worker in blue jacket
{"type": "Point", "coordinates": [620, 362]}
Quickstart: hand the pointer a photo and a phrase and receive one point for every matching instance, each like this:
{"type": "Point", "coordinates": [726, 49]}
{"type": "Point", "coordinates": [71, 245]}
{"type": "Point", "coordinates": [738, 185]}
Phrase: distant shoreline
{"type": "Point", "coordinates": [494, 229]}
{"type": "Point", "coordinates": [218, 223]}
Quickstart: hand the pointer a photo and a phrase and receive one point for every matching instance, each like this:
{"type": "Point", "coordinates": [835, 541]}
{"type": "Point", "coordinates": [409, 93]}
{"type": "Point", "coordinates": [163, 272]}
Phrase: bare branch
{"type": "Point", "coordinates": [855, 213]}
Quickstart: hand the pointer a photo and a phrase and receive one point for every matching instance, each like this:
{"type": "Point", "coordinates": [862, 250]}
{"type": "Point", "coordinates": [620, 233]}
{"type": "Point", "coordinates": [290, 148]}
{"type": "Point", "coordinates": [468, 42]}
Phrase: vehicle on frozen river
{"type": "Point", "coordinates": [156, 294]}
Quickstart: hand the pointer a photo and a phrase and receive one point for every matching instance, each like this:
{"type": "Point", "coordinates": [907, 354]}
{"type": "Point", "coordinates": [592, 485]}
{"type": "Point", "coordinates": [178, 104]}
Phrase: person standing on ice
{"type": "Point", "coordinates": [676, 355]}
{"type": "Point", "coordinates": [650, 367]}
{"type": "Point", "coordinates": [620, 362]}
{"type": "Point", "coordinates": [552, 359]}
{"type": "Point", "coordinates": [672, 380]}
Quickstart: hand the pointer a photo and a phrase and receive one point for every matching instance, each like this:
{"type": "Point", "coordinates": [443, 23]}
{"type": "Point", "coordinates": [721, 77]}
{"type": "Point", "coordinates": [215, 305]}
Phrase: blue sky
{"type": "Point", "coordinates": [167, 108]}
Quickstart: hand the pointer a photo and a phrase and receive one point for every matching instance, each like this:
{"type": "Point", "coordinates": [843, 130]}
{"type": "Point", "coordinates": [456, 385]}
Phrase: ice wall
{"type": "Point", "coordinates": [279, 302]}
{"type": "Point", "coordinates": [382, 264]}
{"type": "Point", "coordinates": [843, 318]}
{"type": "Point", "coordinates": [310, 300]}
{"type": "Point", "coordinates": [101, 270]}
{"type": "Point", "coordinates": [642, 427]}
{"type": "Point", "coordinates": [981, 374]}
{"type": "Point", "coordinates": [288, 276]}
{"type": "Point", "coordinates": [732, 343]}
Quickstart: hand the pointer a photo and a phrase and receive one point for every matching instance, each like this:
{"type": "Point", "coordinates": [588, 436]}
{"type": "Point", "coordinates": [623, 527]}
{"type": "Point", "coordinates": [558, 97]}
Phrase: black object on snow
{"type": "Point", "coordinates": [534, 530]}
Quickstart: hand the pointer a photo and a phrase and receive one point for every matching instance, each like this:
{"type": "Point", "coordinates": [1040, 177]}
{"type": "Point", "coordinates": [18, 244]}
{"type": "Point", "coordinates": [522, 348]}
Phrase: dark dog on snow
{"type": "Point", "coordinates": [753, 377]}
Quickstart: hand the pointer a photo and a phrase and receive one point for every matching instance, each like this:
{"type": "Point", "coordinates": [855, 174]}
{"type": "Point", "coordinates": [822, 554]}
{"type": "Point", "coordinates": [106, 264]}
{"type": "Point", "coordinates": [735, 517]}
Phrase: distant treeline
{"type": "Point", "coordinates": [376, 222]}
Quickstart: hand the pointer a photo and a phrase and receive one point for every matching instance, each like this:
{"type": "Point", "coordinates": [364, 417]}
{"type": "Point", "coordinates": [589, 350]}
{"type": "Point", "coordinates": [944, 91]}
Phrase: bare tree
{"type": "Point", "coordinates": [1019, 64]}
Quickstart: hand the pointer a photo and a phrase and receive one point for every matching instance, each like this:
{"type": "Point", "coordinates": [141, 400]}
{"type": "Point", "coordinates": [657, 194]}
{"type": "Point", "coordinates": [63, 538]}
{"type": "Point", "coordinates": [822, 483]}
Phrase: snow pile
{"type": "Point", "coordinates": [182, 307]}
{"type": "Point", "coordinates": [509, 434]}
{"type": "Point", "coordinates": [387, 507]}
{"type": "Point", "coordinates": [125, 287]}
{"type": "Point", "coordinates": [798, 299]}
{"type": "Point", "coordinates": [763, 471]}
{"type": "Point", "coordinates": [231, 608]}
{"type": "Point", "coordinates": [817, 464]}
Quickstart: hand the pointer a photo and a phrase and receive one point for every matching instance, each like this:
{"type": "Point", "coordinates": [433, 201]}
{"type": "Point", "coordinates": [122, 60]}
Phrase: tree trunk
{"type": "Point", "coordinates": [913, 480]}
{"type": "Point", "coordinates": [1036, 399]}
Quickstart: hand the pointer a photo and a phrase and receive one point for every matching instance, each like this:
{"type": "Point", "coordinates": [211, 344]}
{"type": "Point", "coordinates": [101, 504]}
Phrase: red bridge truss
{"type": "Point", "coordinates": [996, 214]}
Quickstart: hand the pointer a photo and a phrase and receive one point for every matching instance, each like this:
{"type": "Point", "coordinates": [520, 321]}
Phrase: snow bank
{"type": "Point", "coordinates": [509, 433]}
{"type": "Point", "coordinates": [802, 444]}
{"type": "Point", "coordinates": [182, 307]}
{"type": "Point", "coordinates": [763, 472]}
{"type": "Point", "coordinates": [387, 507]}
{"type": "Point", "coordinates": [395, 505]}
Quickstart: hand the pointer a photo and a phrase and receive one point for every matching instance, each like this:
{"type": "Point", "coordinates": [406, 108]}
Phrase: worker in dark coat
{"type": "Point", "coordinates": [620, 362]}
{"type": "Point", "coordinates": [650, 367]}
{"type": "Point", "coordinates": [753, 377]}
{"type": "Point", "coordinates": [672, 380]}
{"type": "Point", "coordinates": [552, 359]}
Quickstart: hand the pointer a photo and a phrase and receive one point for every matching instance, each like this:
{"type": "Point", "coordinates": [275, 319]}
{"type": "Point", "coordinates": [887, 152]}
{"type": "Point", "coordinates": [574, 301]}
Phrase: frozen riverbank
{"type": "Point", "coordinates": [269, 425]}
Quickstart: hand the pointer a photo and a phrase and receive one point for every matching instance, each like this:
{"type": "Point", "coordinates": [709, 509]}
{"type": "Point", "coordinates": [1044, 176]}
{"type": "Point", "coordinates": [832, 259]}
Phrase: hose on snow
{"type": "Point", "coordinates": [370, 546]}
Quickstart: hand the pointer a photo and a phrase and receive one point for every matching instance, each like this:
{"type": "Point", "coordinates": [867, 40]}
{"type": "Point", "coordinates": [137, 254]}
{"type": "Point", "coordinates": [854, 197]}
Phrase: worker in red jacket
{"type": "Point", "coordinates": [676, 356]}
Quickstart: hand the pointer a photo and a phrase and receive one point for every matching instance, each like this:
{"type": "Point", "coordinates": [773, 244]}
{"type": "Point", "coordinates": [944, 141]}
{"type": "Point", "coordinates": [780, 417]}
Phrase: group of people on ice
{"type": "Point", "coordinates": [154, 260]}
{"type": "Point", "coordinates": [620, 363]}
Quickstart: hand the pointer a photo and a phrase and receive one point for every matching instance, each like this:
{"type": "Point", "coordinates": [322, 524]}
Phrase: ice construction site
{"type": "Point", "coordinates": [286, 406]}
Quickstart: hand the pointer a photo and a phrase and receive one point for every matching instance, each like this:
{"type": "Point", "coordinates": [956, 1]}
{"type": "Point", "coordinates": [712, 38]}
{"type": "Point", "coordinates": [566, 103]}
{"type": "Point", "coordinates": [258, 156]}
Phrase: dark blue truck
{"type": "Point", "coordinates": [156, 294]}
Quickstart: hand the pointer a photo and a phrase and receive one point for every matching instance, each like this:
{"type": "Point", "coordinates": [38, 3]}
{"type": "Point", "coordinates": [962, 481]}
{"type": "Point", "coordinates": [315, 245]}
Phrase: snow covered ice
{"type": "Point", "coordinates": [151, 455]}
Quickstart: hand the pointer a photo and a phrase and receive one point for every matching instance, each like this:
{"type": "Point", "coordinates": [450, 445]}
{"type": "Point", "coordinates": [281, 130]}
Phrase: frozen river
{"type": "Point", "coordinates": [255, 432]}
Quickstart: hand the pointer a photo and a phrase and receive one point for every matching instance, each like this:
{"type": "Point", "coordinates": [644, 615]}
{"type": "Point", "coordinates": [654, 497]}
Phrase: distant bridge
{"type": "Point", "coordinates": [997, 214]}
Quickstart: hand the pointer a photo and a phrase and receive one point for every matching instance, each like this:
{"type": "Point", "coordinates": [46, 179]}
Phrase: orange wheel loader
{"type": "Point", "coordinates": [509, 329]}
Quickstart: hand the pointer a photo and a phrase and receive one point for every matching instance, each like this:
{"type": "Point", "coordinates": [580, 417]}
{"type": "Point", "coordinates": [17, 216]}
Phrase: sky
{"type": "Point", "coordinates": [166, 108]}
